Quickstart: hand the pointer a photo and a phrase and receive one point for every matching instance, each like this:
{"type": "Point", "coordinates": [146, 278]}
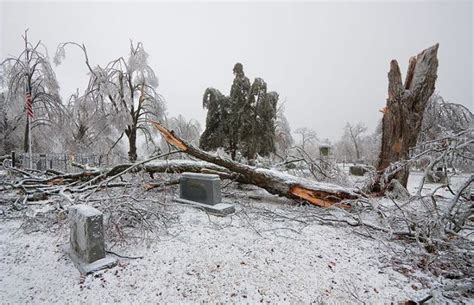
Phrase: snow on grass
{"type": "Point", "coordinates": [265, 252]}
{"type": "Point", "coordinates": [455, 182]}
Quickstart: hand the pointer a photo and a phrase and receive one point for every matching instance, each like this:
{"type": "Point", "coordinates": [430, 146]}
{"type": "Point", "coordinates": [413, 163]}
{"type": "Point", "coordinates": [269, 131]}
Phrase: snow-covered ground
{"type": "Point", "coordinates": [454, 180]}
{"type": "Point", "coordinates": [269, 251]}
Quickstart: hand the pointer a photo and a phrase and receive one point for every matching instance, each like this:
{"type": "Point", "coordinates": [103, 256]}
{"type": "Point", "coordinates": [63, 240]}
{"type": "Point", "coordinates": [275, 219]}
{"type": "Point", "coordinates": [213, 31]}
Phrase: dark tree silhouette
{"type": "Point", "coordinates": [243, 121]}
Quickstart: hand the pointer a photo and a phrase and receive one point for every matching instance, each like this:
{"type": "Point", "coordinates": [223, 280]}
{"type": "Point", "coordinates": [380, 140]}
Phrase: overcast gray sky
{"type": "Point", "coordinates": [329, 61]}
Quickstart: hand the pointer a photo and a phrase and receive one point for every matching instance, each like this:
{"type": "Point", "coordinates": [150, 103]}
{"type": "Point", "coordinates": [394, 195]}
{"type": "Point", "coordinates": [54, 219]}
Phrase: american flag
{"type": "Point", "coordinates": [29, 105]}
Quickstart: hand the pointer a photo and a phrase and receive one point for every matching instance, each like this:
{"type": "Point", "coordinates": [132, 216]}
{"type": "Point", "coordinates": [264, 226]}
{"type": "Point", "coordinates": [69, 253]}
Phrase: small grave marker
{"type": "Point", "coordinates": [203, 188]}
{"type": "Point", "coordinates": [203, 191]}
{"type": "Point", "coordinates": [358, 170]}
{"type": "Point", "coordinates": [438, 176]}
{"type": "Point", "coordinates": [87, 246]}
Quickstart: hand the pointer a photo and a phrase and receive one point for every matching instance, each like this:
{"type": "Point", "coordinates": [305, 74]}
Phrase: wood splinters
{"type": "Point", "coordinates": [313, 198]}
{"type": "Point", "coordinates": [170, 137]}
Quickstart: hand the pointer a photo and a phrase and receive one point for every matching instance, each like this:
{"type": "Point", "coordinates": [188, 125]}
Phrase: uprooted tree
{"type": "Point", "coordinates": [403, 115]}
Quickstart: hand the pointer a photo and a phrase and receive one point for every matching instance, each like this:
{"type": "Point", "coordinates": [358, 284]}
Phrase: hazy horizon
{"type": "Point", "coordinates": [328, 61]}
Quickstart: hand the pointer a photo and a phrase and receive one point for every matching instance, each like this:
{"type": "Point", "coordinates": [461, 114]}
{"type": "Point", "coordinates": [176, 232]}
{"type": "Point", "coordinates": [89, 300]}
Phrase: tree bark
{"type": "Point", "coordinates": [403, 114]}
{"type": "Point", "coordinates": [131, 133]}
{"type": "Point", "coordinates": [317, 193]}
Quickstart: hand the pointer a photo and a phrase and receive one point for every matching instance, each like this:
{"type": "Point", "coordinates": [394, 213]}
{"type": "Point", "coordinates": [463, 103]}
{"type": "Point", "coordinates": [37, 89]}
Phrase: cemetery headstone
{"type": "Point", "coordinates": [203, 191]}
{"type": "Point", "coordinates": [437, 176]}
{"type": "Point", "coordinates": [204, 188]}
{"type": "Point", "coordinates": [86, 244]}
{"type": "Point", "coordinates": [358, 170]}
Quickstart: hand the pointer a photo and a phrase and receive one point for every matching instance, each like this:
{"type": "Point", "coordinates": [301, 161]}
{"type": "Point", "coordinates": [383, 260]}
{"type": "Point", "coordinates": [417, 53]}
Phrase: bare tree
{"type": "Point", "coordinates": [354, 134]}
{"type": "Point", "coordinates": [283, 138]}
{"type": "Point", "coordinates": [442, 118]}
{"type": "Point", "coordinates": [308, 136]}
{"type": "Point", "coordinates": [88, 125]}
{"type": "Point", "coordinates": [8, 127]}
{"type": "Point", "coordinates": [126, 88]}
{"type": "Point", "coordinates": [30, 73]}
{"type": "Point", "coordinates": [188, 130]}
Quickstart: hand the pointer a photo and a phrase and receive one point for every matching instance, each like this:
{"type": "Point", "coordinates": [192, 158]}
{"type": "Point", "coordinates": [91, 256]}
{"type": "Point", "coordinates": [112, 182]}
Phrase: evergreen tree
{"type": "Point", "coordinates": [267, 111]}
{"type": "Point", "coordinates": [218, 120]}
{"type": "Point", "coordinates": [240, 108]}
{"type": "Point", "coordinates": [243, 121]}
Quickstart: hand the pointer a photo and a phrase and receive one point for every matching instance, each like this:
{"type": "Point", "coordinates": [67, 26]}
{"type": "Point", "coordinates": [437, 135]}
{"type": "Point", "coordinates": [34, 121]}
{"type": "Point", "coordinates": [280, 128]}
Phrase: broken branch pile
{"type": "Point", "coordinates": [92, 179]}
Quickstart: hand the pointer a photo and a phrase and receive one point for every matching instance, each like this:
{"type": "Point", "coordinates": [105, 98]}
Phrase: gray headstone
{"type": "Point", "coordinates": [203, 191]}
{"type": "Point", "coordinates": [203, 188]}
{"type": "Point", "coordinates": [87, 246]}
{"type": "Point", "coordinates": [220, 209]}
{"type": "Point", "coordinates": [438, 176]}
{"type": "Point", "coordinates": [39, 165]}
{"type": "Point", "coordinates": [87, 233]}
{"type": "Point", "coordinates": [358, 170]}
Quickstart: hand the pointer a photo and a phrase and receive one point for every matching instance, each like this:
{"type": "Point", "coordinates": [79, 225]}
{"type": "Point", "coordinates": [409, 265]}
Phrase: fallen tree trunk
{"type": "Point", "coordinates": [90, 180]}
{"type": "Point", "coordinates": [403, 114]}
{"type": "Point", "coordinates": [317, 193]}
{"type": "Point", "coordinates": [180, 166]}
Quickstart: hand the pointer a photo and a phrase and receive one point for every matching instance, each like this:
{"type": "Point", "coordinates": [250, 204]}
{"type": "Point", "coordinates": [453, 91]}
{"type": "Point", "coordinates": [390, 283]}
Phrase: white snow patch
{"type": "Point", "coordinates": [211, 259]}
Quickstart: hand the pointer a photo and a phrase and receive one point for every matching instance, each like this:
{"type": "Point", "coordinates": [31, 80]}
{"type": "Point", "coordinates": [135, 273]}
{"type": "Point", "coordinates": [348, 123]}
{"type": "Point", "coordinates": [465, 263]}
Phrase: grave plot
{"type": "Point", "coordinates": [203, 191]}
{"type": "Point", "coordinates": [86, 244]}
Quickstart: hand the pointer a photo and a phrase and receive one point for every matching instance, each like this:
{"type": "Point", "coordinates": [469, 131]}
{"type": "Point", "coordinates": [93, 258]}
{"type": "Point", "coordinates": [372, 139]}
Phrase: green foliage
{"type": "Point", "coordinates": [243, 121]}
{"type": "Point", "coordinates": [217, 121]}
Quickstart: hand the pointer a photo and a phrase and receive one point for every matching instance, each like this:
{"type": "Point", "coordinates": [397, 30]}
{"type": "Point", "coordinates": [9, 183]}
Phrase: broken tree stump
{"type": "Point", "coordinates": [403, 114]}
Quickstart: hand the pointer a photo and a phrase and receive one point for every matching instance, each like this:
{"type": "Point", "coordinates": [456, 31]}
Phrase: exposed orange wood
{"type": "Point", "coordinates": [310, 196]}
{"type": "Point", "coordinates": [170, 137]}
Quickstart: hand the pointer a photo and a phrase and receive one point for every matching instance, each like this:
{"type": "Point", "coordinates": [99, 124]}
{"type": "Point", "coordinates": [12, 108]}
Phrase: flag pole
{"type": "Point", "coordinates": [29, 102]}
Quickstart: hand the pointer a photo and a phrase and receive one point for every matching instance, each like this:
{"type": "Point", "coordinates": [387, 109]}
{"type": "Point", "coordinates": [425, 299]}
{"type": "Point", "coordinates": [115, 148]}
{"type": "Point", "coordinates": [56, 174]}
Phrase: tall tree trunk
{"type": "Point", "coordinates": [357, 150]}
{"type": "Point", "coordinates": [131, 133]}
{"type": "Point", "coordinates": [403, 114]}
{"type": "Point", "coordinates": [233, 149]}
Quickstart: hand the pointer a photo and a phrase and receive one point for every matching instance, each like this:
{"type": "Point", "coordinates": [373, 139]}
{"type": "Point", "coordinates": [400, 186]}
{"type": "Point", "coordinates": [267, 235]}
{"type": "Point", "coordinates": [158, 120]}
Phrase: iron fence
{"type": "Point", "coordinates": [57, 161]}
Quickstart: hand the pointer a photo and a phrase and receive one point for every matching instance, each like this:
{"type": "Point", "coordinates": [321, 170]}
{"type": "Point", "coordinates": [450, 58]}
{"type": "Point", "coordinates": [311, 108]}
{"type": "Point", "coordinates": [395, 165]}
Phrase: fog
{"type": "Point", "coordinates": [327, 61]}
